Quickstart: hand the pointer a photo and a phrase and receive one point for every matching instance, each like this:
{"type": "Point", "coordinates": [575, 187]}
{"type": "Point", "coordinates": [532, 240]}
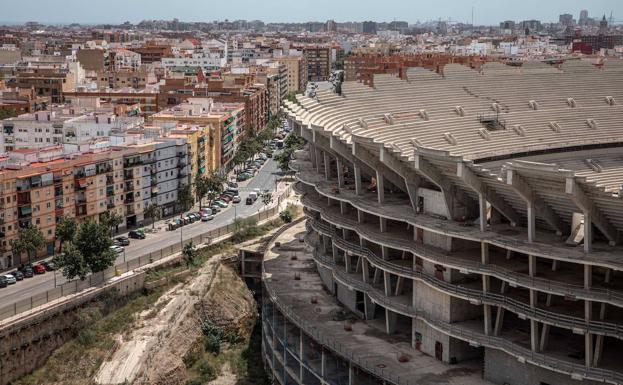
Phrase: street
{"type": "Point", "coordinates": [264, 179]}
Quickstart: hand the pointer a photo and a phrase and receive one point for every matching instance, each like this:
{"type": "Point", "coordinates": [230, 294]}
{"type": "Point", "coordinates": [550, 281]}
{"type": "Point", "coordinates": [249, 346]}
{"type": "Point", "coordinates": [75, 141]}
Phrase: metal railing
{"type": "Point", "coordinates": [100, 278]}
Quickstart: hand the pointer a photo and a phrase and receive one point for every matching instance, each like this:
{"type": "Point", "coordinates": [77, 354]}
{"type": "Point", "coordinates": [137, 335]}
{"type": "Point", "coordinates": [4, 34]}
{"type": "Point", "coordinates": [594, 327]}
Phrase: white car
{"type": "Point", "coordinates": [206, 217]}
{"type": "Point", "coordinates": [10, 279]}
{"type": "Point", "coordinates": [117, 249]}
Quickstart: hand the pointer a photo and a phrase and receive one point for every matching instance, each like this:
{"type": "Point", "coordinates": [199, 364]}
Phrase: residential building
{"type": "Point", "coordinates": [296, 68]}
{"type": "Point", "coordinates": [318, 60]}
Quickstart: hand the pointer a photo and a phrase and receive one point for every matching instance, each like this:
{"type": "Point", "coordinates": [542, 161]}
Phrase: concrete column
{"type": "Point", "coordinates": [357, 171]}
{"type": "Point", "coordinates": [588, 312]}
{"type": "Point", "coordinates": [325, 243]}
{"type": "Point", "coordinates": [383, 224]}
{"type": "Point", "coordinates": [377, 276]}
{"type": "Point", "coordinates": [399, 285]}
{"type": "Point", "coordinates": [334, 252]}
{"type": "Point", "coordinates": [390, 321]}
{"type": "Point", "coordinates": [531, 221]}
{"type": "Point", "coordinates": [323, 363]}
{"type": "Point", "coordinates": [599, 339]}
{"type": "Point", "coordinates": [380, 187]}
{"type": "Point", "coordinates": [318, 158]}
{"type": "Point", "coordinates": [544, 337]}
{"type": "Point", "coordinates": [348, 263]}
{"type": "Point", "coordinates": [327, 166]}
{"type": "Point", "coordinates": [359, 262]}
{"type": "Point", "coordinates": [482, 209]}
{"type": "Point", "coordinates": [368, 307]}
{"type": "Point", "coordinates": [365, 267]}
{"type": "Point", "coordinates": [301, 353]}
{"type": "Point", "coordinates": [340, 175]}
{"type": "Point", "coordinates": [387, 283]}
{"type": "Point", "coordinates": [342, 208]}
{"type": "Point", "coordinates": [486, 287]}
{"type": "Point", "coordinates": [384, 252]}
{"type": "Point", "coordinates": [534, 325]}
{"type": "Point", "coordinates": [312, 154]}
{"type": "Point", "coordinates": [360, 216]}
{"type": "Point", "coordinates": [499, 320]}
{"type": "Point", "coordinates": [351, 374]}
{"type": "Point", "coordinates": [588, 232]}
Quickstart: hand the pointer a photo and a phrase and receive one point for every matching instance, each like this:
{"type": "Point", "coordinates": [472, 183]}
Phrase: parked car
{"type": "Point", "coordinates": [236, 199]}
{"type": "Point", "coordinates": [225, 198]}
{"type": "Point", "coordinates": [242, 177]}
{"type": "Point", "coordinates": [3, 281]}
{"type": "Point", "coordinates": [18, 275]}
{"type": "Point", "coordinates": [39, 269]}
{"type": "Point", "coordinates": [137, 234]}
{"type": "Point", "coordinates": [10, 279]}
{"type": "Point", "coordinates": [233, 185]}
{"type": "Point", "coordinates": [117, 249]}
{"type": "Point", "coordinates": [28, 271]}
{"type": "Point", "coordinates": [269, 154]}
{"type": "Point", "coordinates": [123, 241]}
{"type": "Point", "coordinates": [207, 217]}
{"type": "Point", "coordinates": [215, 208]}
{"type": "Point", "coordinates": [206, 210]}
{"type": "Point", "coordinates": [49, 265]}
{"type": "Point", "coordinates": [221, 203]}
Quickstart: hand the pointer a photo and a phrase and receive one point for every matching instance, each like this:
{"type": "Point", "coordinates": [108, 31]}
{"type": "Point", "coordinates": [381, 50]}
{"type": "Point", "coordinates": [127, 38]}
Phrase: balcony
{"type": "Point", "coordinates": [128, 175]}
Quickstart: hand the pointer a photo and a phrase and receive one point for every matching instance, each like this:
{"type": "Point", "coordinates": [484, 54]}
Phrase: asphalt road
{"type": "Point", "coordinates": [264, 179]}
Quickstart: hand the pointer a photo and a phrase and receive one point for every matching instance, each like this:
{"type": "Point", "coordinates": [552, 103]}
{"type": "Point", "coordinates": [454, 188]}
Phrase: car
{"type": "Point", "coordinates": [10, 279]}
{"type": "Point", "coordinates": [221, 204]}
{"type": "Point", "coordinates": [3, 281]}
{"type": "Point", "coordinates": [233, 185]}
{"type": "Point", "coordinates": [123, 241]}
{"type": "Point", "coordinates": [269, 154]}
{"type": "Point", "coordinates": [117, 249]}
{"type": "Point", "coordinates": [18, 275]}
{"type": "Point", "coordinates": [236, 199]}
{"type": "Point", "coordinates": [207, 217]}
{"type": "Point", "coordinates": [39, 269]}
{"type": "Point", "coordinates": [249, 201]}
{"type": "Point", "coordinates": [49, 265]}
{"type": "Point", "coordinates": [225, 198]}
{"type": "Point", "coordinates": [215, 208]}
{"type": "Point", "coordinates": [136, 234]}
{"type": "Point", "coordinates": [206, 210]}
{"type": "Point", "coordinates": [242, 177]}
{"type": "Point", "coordinates": [28, 271]}
{"type": "Point", "coordinates": [192, 218]}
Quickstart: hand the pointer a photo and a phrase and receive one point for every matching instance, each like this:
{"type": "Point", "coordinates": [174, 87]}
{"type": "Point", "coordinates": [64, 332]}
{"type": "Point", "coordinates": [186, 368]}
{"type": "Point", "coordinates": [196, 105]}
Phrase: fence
{"type": "Point", "coordinates": [100, 278]}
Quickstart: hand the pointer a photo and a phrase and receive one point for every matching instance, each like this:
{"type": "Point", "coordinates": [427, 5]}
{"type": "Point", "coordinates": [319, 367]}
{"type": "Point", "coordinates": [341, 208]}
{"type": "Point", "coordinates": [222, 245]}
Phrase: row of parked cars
{"type": "Point", "coordinates": [253, 166]}
{"type": "Point", "coordinates": [27, 271]}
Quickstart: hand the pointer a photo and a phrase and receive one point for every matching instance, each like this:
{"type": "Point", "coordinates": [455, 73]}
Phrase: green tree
{"type": "Point", "coordinates": [10, 113]}
{"type": "Point", "coordinates": [29, 240]}
{"type": "Point", "coordinates": [71, 263]}
{"type": "Point", "coordinates": [267, 198]}
{"type": "Point", "coordinates": [185, 197]}
{"type": "Point", "coordinates": [152, 212]}
{"type": "Point", "coordinates": [189, 253]}
{"type": "Point", "coordinates": [93, 241]}
{"type": "Point", "coordinates": [215, 185]}
{"type": "Point", "coordinates": [286, 216]}
{"type": "Point", "coordinates": [283, 160]}
{"type": "Point", "coordinates": [111, 220]}
{"type": "Point", "coordinates": [65, 231]}
{"type": "Point", "coordinates": [202, 188]}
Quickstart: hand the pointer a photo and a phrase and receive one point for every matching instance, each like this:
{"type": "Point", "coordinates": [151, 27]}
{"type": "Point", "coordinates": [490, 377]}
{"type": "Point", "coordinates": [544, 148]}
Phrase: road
{"type": "Point", "coordinates": [264, 179]}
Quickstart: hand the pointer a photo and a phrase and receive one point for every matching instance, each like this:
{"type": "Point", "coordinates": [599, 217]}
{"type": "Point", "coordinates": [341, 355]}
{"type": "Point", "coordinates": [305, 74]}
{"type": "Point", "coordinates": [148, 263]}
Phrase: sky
{"type": "Point", "coordinates": [486, 12]}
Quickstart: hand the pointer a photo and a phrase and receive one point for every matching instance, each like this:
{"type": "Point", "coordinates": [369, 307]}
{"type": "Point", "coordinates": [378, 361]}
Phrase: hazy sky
{"type": "Point", "coordinates": [485, 11]}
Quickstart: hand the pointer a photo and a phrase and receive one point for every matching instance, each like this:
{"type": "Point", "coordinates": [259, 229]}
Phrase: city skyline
{"type": "Point", "coordinates": [484, 11]}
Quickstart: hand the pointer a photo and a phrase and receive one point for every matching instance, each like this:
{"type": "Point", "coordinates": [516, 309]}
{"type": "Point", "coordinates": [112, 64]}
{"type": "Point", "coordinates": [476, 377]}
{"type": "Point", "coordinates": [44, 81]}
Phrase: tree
{"type": "Point", "coordinates": [152, 212]}
{"type": "Point", "coordinates": [93, 241]}
{"type": "Point", "coordinates": [10, 113]}
{"type": "Point", "coordinates": [215, 185]}
{"type": "Point", "coordinates": [283, 160]}
{"type": "Point", "coordinates": [29, 240]}
{"type": "Point", "coordinates": [267, 198]}
{"type": "Point", "coordinates": [285, 216]}
{"type": "Point", "coordinates": [111, 220]}
{"type": "Point", "coordinates": [65, 231]}
{"type": "Point", "coordinates": [189, 253]}
{"type": "Point", "coordinates": [201, 188]}
{"type": "Point", "coordinates": [185, 197]}
{"type": "Point", "coordinates": [71, 263]}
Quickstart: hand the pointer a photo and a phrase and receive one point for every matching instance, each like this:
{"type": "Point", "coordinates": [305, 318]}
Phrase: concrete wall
{"type": "Point", "coordinates": [429, 337]}
{"type": "Point", "coordinates": [437, 240]}
{"type": "Point", "coordinates": [327, 277]}
{"type": "Point", "coordinates": [431, 301]}
{"type": "Point", "coordinates": [434, 202]}
{"type": "Point", "coordinates": [27, 343]}
{"type": "Point", "coordinates": [501, 368]}
{"type": "Point", "coordinates": [348, 298]}
{"type": "Point", "coordinates": [462, 310]}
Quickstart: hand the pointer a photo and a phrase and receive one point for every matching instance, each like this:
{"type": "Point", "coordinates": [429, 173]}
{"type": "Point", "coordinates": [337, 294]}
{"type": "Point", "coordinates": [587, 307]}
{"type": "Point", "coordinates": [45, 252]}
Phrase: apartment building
{"type": "Point", "coordinates": [121, 58]}
{"type": "Point", "coordinates": [318, 59]}
{"type": "Point", "coordinates": [60, 125]}
{"type": "Point", "coordinates": [145, 99]}
{"type": "Point", "coordinates": [296, 68]}
{"type": "Point", "coordinates": [153, 53]}
{"type": "Point", "coordinates": [222, 126]}
{"type": "Point", "coordinates": [463, 239]}
{"type": "Point", "coordinates": [48, 82]}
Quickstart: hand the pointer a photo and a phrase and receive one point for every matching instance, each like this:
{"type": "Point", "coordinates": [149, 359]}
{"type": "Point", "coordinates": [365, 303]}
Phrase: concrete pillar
{"type": "Point", "coordinates": [482, 209]}
{"type": "Point", "coordinates": [380, 187]}
{"type": "Point", "coordinates": [325, 244]}
{"type": "Point", "coordinates": [327, 166]}
{"type": "Point", "coordinates": [486, 287]}
{"type": "Point", "coordinates": [342, 208]}
{"type": "Point", "coordinates": [351, 374]}
{"type": "Point", "coordinates": [544, 338]}
{"type": "Point", "coordinates": [399, 285]}
{"type": "Point", "coordinates": [360, 216]}
{"type": "Point", "coordinates": [384, 252]}
{"type": "Point", "coordinates": [365, 267]}
{"type": "Point", "coordinates": [357, 171]}
{"type": "Point", "coordinates": [383, 224]}
{"type": "Point", "coordinates": [390, 321]}
{"type": "Point", "coordinates": [359, 262]}
{"type": "Point", "coordinates": [588, 232]}
{"type": "Point", "coordinates": [301, 353]}
{"type": "Point", "coordinates": [323, 363]}
{"type": "Point", "coordinates": [588, 312]}
{"type": "Point", "coordinates": [340, 174]}
{"type": "Point", "coordinates": [318, 158]}
{"type": "Point", "coordinates": [531, 221]}
{"type": "Point", "coordinates": [348, 262]}
{"type": "Point", "coordinates": [387, 283]}
{"type": "Point", "coordinates": [368, 307]}
{"type": "Point", "coordinates": [377, 276]}
{"type": "Point", "coordinates": [499, 321]}
{"type": "Point", "coordinates": [335, 253]}
{"type": "Point", "coordinates": [534, 325]}
{"type": "Point", "coordinates": [312, 154]}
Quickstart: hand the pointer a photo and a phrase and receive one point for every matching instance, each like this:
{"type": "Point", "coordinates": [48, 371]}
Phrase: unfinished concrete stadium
{"type": "Point", "coordinates": [460, 228]}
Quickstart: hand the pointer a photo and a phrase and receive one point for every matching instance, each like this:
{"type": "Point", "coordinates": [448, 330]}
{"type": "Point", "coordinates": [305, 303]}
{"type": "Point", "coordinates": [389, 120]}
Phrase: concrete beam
{"type": "Point", "coordinates": [425, 168]}
{"type": "Point", "coordinates": [471, 179]}
{"type": "Point", "coordinates": [526, 192]}
{"type": "Point", "coordinates": [584, 203]}
{"type": "Point", "coordinates": [366, 157]}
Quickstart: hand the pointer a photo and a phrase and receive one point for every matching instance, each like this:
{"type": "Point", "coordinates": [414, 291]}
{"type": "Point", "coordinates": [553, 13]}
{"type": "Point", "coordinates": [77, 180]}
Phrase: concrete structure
{"type": "Point", "coordinates": [478, 215]}
{"type": "Point", "coordinates": [296, 67]}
